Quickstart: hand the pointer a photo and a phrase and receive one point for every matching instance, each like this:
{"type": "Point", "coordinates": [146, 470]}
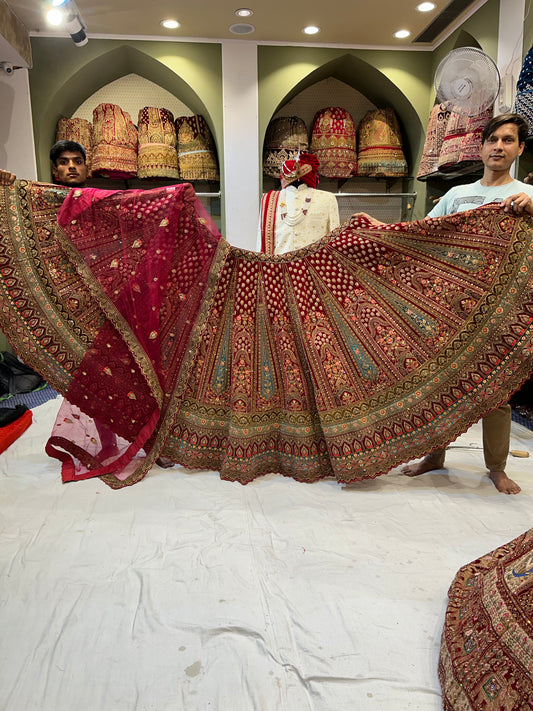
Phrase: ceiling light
{"type": "Point", "coordinates": [402, 34]}
{"type": "Point", "coordinates": [426, 6]}
{"type": "Point", "coordinates": [244, 12]}
{"type": "Point", "coordinates": [170, 24]}
{"type": "Point", "coordinates": [55, 17]}
{"type": "Point", "coordinates": [242, 28]}
{"type": "Point", "coordinates": [311, 30]}
{"type": "Point", "coordinates": [58, 3]}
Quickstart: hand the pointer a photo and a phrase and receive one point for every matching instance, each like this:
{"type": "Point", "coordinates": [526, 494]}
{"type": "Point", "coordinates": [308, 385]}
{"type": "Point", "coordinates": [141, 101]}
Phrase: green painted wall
{"type": "Point", "coordinates": [403, 80]}
{"type": "Point", "coordinates": [379, 74]}
{"type": "Point", "coordinates": [386, 77]}
{"type": "Point", "coordinates": [65, 75]}
{"type": "Point", "coordinates": [482, 28]}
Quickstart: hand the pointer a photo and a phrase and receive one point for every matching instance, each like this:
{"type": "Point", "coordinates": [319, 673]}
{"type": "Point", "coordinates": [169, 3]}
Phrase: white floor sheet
{"type": "Point", "coordinates": [187, 592]}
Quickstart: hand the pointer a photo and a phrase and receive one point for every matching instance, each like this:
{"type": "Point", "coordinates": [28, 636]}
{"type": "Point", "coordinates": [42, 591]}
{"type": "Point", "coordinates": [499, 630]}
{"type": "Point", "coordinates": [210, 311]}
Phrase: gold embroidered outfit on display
{"type": "Point", "coordinates": [115, 142]}
{"type": "Point", "coordinates": [196, 149]}
{"type": "Point", "coordinates": [285, 137]}
{"type": "Point", "coordinates": [333, 142]}
{"type": "Point", "coordinates": [78, 130]}
{"type": "Point", "coordinates": [359, 352]}
{"type": "Point", "coordinates": [380, 151]}
{"type": "Point", "coordinates": [158, 157]}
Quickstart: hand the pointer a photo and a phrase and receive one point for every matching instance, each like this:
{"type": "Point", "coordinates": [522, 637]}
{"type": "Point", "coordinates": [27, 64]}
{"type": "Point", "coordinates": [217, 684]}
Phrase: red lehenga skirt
{"type": "Point", "coordinates": [486, 654]}
{"type": "Point", "coordinates": [344, 359]}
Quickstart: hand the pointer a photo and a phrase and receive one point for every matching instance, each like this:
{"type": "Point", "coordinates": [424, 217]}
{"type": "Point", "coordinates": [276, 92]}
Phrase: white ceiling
{"type": "Point", "coordinates": [345, 22]}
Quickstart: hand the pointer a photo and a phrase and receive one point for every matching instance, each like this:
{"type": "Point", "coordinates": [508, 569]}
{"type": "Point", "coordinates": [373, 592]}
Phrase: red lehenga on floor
{"type": "Point", "coordinates": [344, 359]}
{"type": "Point", "coordinates": [486, 654]}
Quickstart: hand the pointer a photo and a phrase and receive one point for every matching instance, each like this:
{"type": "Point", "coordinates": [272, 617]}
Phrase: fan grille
{"type": "Point", "coordinates": [467, 81]}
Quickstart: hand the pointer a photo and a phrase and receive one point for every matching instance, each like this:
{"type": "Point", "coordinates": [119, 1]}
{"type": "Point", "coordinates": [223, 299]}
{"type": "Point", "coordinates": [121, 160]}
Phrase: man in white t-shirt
{"type": "Point", "coordinates": [503, 141]}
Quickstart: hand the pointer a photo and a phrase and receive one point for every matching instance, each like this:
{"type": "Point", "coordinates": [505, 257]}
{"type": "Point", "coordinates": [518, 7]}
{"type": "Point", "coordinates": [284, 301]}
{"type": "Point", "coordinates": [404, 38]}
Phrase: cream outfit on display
{"type": "Point", "coordinates": [303, 215]}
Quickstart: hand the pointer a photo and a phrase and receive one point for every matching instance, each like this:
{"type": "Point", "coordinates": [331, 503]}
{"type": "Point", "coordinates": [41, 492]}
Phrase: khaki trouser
{"type": "Point", "coordinates": [496, 436]}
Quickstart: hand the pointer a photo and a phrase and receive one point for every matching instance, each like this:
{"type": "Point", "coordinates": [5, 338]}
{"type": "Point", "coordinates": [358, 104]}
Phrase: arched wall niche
{"type": "Point", "coordinates": [465, 39]}
{"type": "Point", "coordinates": [376, 87]}
{"type": "Point", "coordinates": [132, 92]}
{"type": "Point", "coordinates": [70, 91]}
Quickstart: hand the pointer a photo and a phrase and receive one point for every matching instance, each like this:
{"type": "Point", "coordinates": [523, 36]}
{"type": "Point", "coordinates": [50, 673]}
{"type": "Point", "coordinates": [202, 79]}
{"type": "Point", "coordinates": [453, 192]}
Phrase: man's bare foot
{"type": "Point", "coordinates": [164, 462]}
{"type": "Point", "coordinates": [502, 482]}
{"type": "Point", "coordinates": [420, 467]}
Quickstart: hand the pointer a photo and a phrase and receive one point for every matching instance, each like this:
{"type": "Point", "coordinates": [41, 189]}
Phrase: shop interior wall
{"type": "Point", "coordinates": [387, 78]}
{"type": "Point", "coordinates": [65, 75]}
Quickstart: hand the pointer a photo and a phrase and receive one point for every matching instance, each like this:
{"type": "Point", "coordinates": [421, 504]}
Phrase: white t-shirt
{"type": "Point", "coordinates": [467, 197]}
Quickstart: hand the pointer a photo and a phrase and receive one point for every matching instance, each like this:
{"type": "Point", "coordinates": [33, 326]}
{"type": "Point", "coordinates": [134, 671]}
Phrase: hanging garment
{"type": "Point", "coordinates": [462, 142]}
{"type": "Point", "coordinates": [333, 142]}
{"type": "Point", "coordinates": [79, 130]}
{"type": "Point", "coordinates": [486, 656]}
{"type": "Point", "coordinates": [115, 143]}
{"type": "Point", "coordinates": [380, 152]}
{"type": "Point", "coordinates": [524, 91]}
{"type": "Point", "coordinates": [438, 121]}
{"type": "Point", "coordinates": [158, 157]}
{"type": "Point", "coordinates": [357, 353]}
{"type": "Point", "coordinates": [285, 137]}
{"type": "Point", "coordinates": [196, 149]}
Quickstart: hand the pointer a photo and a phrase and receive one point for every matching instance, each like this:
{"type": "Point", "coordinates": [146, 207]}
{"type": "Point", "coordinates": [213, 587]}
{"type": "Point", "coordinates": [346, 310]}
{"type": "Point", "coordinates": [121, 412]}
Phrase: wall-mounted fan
{"type": "Point", "coordinates": [467, 81]}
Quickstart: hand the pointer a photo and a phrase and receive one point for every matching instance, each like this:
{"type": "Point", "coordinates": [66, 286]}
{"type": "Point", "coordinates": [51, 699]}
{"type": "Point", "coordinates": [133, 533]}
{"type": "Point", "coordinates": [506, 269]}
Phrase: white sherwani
{"type": "Point", "coordinates": [303, 215]}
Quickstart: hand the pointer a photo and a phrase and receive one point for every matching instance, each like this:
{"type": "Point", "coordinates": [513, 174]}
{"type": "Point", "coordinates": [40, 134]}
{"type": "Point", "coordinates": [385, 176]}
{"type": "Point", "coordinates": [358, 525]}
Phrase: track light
{"type": "Point", "coordinates": [66, 12]}
{"type": "Point", "coordinates": [76, 30]}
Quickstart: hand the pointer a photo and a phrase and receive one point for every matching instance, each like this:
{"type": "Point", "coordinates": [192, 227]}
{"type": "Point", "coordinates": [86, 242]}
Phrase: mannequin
{"type": "Point", "coordinates": [298, 214]}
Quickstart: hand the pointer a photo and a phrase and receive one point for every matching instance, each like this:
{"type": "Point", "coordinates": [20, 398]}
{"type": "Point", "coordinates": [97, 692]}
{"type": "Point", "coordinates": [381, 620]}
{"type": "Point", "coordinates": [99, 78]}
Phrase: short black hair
{"type": "Point", "coordinates": [497, 121]}
{"type": "Point", "coordinates": [61, 146]}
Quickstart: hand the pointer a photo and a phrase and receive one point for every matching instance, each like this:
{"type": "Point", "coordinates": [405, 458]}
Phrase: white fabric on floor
{"type": "Point", "coordinates": [188, 592]}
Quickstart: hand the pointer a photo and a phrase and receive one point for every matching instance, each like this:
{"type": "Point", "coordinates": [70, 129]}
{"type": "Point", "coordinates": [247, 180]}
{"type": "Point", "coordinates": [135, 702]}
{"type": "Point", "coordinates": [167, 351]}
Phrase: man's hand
{"type": "Point", "coordinates": [518, 204]}
{"type": "Point", "coordinates": [6, 178]}
{"type": "Point", "coordinates": [368, 218]}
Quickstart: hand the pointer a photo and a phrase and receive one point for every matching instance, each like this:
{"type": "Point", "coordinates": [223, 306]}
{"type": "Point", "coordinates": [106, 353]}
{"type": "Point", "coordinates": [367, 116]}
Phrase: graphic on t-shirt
{"type": "Point", "coordinates": [471, 200]}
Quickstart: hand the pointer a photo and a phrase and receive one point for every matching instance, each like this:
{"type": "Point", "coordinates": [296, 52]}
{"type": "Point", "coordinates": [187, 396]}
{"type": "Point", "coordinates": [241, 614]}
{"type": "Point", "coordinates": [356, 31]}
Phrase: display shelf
{"type": "Point", "coordinates": [203, 186]}
{"type": "Point", "coordinates": [473, 168]}
{"type": "Point", "coordinates": [388, 207]}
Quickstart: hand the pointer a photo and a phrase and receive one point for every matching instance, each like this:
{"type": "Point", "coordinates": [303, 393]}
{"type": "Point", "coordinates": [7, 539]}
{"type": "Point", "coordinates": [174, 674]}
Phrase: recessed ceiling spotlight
{"type": "Point", "coordinates": [242, 28]}
{"type": "Point", "coordinates": [55, 17]}
{"type": "Point", "coordinates": [170, 24]}
{"type": "Point", "coordinates": [311, 30]}
{"type": "Point", "coordinates": [426, 6]}
{"type": "Point", "coordinates": [244, 12]}
{"type": "Point", "coordinates": [402, 34]}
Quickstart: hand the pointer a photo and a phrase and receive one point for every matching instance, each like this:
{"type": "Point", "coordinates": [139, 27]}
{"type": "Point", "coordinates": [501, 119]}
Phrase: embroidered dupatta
{"type": "Point", "coordinates": [344, 359]}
